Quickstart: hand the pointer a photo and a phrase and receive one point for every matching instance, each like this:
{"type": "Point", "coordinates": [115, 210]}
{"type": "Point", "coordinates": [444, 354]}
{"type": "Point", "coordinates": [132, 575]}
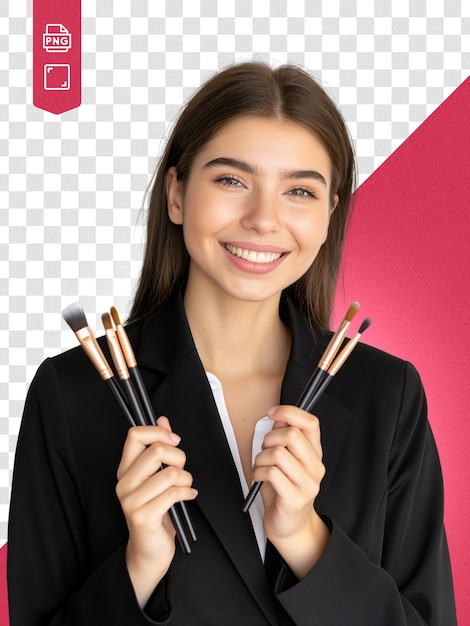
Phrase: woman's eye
{"type": "Point", "coordinates": [301, 192]}
{"type": "Point", "coordinates": [229, 181]}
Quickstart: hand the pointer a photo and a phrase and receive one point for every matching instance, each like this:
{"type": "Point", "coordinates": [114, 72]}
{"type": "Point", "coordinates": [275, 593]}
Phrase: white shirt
{"type": "Point", "coordinates": [263, 426]}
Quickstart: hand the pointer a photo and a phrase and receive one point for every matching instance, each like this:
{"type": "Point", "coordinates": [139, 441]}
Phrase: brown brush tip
{"type": "Point", "coordinates": [365, 325]}
{"type": "Point", "coordinates": [75, 317]}
{"type": "Point", "coordinates": [351, 312]}
{"type": "Point", "coordinates": [115, 316]}
{"type": "Point", "coordinates": [107, 323]}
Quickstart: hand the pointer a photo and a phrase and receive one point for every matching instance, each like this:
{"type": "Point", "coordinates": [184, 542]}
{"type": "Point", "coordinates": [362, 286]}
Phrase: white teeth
{"type": "Point", "coordinates": [252, 255]}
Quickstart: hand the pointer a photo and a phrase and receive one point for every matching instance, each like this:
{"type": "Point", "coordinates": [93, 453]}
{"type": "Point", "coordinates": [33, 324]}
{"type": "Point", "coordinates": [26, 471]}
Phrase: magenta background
{"type": "Point", "coordinates": [407, 263]}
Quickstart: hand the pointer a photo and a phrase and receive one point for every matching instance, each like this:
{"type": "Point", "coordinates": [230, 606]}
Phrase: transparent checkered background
{"type": "Point", "coordinates": [72, 186]}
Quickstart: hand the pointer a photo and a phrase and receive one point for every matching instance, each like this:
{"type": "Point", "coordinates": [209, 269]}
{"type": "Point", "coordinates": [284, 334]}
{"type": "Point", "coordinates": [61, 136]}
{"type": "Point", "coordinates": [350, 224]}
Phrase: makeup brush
{"type": "Point", "coordinates": [308, 399]}
{"type": "Point", "coordinates": [121, 369]}
{"type": "Point", "coordinates": [328, 356]}
{"type": "Point", "coordinates": [132, 366]}
{"type": "Point", "coordinates": [126, 353]}
{"type": "Point", "coordinates": [76, 319]}
{"type": "Point", "coordinates": [339, 361]}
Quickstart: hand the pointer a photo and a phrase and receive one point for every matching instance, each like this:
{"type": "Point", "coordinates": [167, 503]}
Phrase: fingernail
{"type": "Point", "coordinates": [195, 491]}
{"type": "Point", "coordinates": [272, 411]}
{"type": "Point", "coordinates": [174, 437]}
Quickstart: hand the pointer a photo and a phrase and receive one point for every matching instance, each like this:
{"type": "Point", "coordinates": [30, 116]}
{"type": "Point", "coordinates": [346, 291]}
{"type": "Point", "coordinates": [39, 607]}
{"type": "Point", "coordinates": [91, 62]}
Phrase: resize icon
{"type": "Point", "coordinates": [56, 38]}
{"type": "Point", "coordinates": [57, 77]}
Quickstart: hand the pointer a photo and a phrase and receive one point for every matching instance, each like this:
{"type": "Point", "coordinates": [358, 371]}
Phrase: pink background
{"type": "Point", "coordinates": [407, 263]}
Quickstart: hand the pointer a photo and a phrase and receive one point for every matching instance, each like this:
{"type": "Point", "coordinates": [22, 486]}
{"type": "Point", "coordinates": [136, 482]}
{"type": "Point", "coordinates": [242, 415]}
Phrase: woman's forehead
{"type": "Point", "coordinates": [256, 143]}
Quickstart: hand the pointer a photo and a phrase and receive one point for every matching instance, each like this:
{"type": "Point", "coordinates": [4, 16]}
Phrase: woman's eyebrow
{"type": "Point", "coordinates": [294, 174]}
{"type": "Point", "coordinates": [252, 169]}
{"type": "Point", "coordinates": [229, 162]}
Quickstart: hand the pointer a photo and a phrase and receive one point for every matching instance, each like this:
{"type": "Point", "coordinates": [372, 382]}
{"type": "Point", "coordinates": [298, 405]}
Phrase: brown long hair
{"type": "Point", "coordinates": [250, 88]}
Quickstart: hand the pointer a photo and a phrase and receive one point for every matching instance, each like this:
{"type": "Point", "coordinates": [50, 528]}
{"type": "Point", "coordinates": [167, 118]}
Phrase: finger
{"type": "Point", "coordinates": [149, 462]}
{"type": "Point", "coordinates": [293, 487]}
{"type": "Point", "coordinates": [151, 514]}
{"type": "Point", "coordinates": [293, 416]}
{"type": "Point", "coordinates": [278, 490]}
{"type": "Point", "coordinates": [301, 444]}
{"type": "Point", "coordinates": [305, 474]}
{"type": "Point", "coordinates": [139, 438]}
{"type": "Point", "coordinates": [168, 479]}
{"type": "Point", "coordinates": [164, 423]}
{"type": "Point", "coordinates": [274, 477]}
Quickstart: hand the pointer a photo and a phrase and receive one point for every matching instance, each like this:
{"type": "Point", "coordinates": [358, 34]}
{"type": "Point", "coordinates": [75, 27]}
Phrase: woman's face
{"type": "Point", "coordinates": [255, 208]}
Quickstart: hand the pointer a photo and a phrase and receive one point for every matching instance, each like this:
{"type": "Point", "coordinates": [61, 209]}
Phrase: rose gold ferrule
{"type": "Point", "coordinates": [343, 355]}
{"type": "Point", "coordinates": [333, 346]}
{"type": "Point", "coordinates": [117, 355]}
{"type": "Point", "coordinates": [126, 346]}
{"type": "Point", "coordinates": [90, 345]}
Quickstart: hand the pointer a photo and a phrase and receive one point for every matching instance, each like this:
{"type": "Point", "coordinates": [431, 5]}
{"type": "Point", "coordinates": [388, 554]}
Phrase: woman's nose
{"type": "Point", "coordinates": [261, 213]}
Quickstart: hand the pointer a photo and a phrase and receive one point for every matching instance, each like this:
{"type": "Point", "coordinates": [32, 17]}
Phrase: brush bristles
{"type": "Point", "coordinates": [365, 325]}
{"type": "Point", "coordinates": [115, 316]}
{"type": "Point", "coordinates": [74, 316]}
{"type": "Point", "coordinates": [107, 323]}
{"type": "Point", "coordinates": [351, 312]}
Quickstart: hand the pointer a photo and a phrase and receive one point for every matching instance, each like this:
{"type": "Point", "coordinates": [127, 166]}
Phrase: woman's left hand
{"type": "Point", "coordinates": [291, 468]}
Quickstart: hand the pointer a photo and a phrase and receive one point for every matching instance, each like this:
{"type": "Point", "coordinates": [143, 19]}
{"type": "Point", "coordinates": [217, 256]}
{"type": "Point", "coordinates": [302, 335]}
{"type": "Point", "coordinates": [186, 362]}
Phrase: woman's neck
{"type": "Point", "coordinates": [237, 338]}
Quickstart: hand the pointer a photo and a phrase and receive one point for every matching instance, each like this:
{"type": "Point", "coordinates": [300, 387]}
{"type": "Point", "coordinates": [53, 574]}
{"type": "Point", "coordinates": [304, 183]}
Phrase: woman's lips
{"type": "Point", "coordinates": [254, 256]}
{"type": "Point", "coordinates": [255, 261]}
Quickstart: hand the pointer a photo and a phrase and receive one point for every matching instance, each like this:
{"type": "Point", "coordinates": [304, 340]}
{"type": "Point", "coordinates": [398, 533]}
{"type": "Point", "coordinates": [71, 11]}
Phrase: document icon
{"type": "Point", "coordinates": [56, 38]}
{"type": "Point", "coordinates": [57, 77]}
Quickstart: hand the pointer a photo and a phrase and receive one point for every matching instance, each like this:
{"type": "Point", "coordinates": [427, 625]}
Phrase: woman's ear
{"type": "Point", "coordinates": [334, 204]}
{"type": "Point", "coordinates": [174, 196]}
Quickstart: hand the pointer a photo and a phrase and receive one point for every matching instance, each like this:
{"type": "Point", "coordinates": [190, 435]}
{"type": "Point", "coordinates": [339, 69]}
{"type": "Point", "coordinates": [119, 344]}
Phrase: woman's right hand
{"type": "Point", "coordinates": [146, 493]}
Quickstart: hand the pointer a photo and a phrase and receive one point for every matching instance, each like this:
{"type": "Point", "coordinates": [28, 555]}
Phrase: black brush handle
{"type": "Point", "coordinates": [143, 395]}
{"type": "Point", "coordinates": [180, 530]}
{"type": "Point", "coordinates": [150, 419]}
{"type": "Point", "coordinates": [117, 393]}
{"type": "Point", "coordinates": [250, 498]}
{"type": "Point", "coordinates": [134, 401]}
{"type": "Point", "coordinates": [312, 399]}
{"type": "Point", "coordinates": [311, 388]}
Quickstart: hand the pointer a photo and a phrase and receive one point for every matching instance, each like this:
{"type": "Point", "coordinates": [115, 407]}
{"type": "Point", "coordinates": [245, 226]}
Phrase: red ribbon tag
{"type": "Point", "coordinates": [57, 55]}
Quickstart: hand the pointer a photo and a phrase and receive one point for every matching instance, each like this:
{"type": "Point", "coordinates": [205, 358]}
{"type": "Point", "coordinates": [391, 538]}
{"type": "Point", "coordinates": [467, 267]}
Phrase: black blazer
{"type": "Point", "coordinates": [386, 562]}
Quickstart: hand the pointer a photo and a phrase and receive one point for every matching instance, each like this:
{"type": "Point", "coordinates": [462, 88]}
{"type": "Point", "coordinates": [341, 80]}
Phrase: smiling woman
{"type": "Point", "coordinates": [289, 96]}
{"type": "Point", "coordinates": [246, 221]}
